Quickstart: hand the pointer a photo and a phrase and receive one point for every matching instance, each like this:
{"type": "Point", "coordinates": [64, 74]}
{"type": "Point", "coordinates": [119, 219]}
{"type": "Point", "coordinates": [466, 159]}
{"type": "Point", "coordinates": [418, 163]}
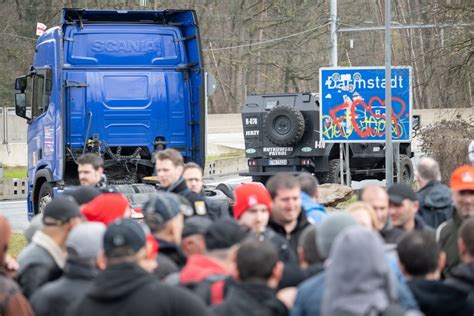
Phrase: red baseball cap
{"type": "Point", "coordinates": [248, 195]}
{"type": "Point", "coordinates": [105, 208]}
{"type": "Point", "coordinates": [463, 178]}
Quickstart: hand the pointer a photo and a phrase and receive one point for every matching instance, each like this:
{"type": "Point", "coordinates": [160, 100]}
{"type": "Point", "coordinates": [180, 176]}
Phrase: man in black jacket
{"type": "Point", "coordinates": [125, 288]}
{"type": "Point", "coordinates": [422, 261]}
{"type": "Point", "coordinates": [169, 168]}
{"type": "Point", "coordinates": [259, 273]}
{"type": "Point", "coordinates": [462, 276]}
{"type": "Point", "coordinates": [436, 204]}
{"type": "Point", "coordinates": [162, 215]}
{"type": "Point", "coordinates": [287, 218]}
{"type": "Point", "coordinates": [44, 258]}
{"type": "Point", "coordinates": [83, 246]}
{"type": "Point", "coordinates": [193, 174]}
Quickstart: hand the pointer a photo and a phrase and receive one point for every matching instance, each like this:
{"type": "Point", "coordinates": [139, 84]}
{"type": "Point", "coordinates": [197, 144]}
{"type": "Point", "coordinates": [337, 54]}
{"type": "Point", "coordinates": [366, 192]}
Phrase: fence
{"type": "Point", "coordinates": [12, 128]}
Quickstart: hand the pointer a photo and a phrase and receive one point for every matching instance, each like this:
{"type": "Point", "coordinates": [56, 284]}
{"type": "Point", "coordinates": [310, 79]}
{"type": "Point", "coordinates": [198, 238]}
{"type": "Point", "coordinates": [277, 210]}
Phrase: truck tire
{"type": "Point", "coordinates": [407, 172]}
{"type": "Point", "coordinates": [44, 197]}
{"type": "Point", "coordinates": [284, 125]}
{"type": "Point", "coordinates": [333, 175]}
{"type": "Point", "coordinates": [261, 179]}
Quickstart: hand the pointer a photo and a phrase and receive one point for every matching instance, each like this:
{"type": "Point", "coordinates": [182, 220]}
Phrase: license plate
{"type": "Point", "coordinates": [278, 162]}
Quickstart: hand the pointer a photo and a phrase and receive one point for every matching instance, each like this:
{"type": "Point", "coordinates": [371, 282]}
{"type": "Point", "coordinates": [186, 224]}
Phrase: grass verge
{"type": "Point", "coordinates": [17, 243]}
{"type": "Point", "coordinates": [14, 172]}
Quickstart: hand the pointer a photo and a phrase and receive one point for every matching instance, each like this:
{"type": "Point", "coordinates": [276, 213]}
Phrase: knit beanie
{"type": "Point", "coordinates": [248, 195]}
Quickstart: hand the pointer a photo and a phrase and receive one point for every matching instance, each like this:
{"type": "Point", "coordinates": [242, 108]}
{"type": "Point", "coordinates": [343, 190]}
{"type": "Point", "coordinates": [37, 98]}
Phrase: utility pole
{"type": "Point", "coordinates": [388, 96]}
{"type": "Point", "coordinates": [333, 61]}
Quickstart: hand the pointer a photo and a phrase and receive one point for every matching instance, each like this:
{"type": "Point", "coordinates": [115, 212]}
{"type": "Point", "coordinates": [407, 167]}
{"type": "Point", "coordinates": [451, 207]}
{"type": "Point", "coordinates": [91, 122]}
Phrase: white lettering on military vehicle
{"type": "Point", "coordinates": [251, 121]}
{"type": "Point", "coordinates": [319, 144]}
{"type": "Point", "coordinates": [252, 133]}
{"type": "Point", "coordinates": [278, 151]}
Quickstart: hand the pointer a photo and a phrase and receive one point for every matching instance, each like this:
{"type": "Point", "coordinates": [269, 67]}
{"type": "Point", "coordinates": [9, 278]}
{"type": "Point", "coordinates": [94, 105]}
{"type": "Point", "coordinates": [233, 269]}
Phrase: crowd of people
{"type": "Point", "coordinates": [275, 251]}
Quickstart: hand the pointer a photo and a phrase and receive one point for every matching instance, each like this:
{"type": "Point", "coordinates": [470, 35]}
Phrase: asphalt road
{"type": "Point", "coordinates": [15, 211]}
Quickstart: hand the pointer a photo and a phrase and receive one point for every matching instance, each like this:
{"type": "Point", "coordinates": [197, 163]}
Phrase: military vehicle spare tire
{"type": "Point", "coordinates": [284, 125]}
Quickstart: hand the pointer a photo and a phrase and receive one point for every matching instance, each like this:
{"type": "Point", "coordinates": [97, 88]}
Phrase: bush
{"type": "Point", "coordinates": [447, 142]}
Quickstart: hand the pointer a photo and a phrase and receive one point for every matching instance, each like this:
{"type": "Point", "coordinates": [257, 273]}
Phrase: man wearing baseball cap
{"type": "Point", "coordinates": [163, 216]}
{"type": "Point", "coordinates": [44, 258]}
{"type": "Point", "coordinates": [462, 188]}
{"type": "Point", "coordinates": [84, 245]}
{"type": "Point", "coordinates": [403, 208]}
{"type": "Point", "coordinates": [125, 287]}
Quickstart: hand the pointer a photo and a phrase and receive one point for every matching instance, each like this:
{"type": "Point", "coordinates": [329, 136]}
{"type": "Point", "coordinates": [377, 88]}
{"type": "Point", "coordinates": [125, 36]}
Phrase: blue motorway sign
{"type": "Point", "coordinates": [352, 104]}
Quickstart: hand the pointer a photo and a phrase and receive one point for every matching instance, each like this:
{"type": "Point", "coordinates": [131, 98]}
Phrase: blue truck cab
{"type": "Point", "coordinates": [122, 84]}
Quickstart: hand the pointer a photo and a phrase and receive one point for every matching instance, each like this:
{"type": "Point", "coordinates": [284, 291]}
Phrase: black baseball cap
{"type": "Point", "coordinates": [161, 207]}
{"type": "Point", "coordinates": [195, 225]}
{"type": "Point", "coordinates": [83, 194]}
{"type": "Point", "coordinates": [124, 234]}
{"type": "Point", "coordinates": [401, 191]}
{"type": "Point", "coordinates": [223, 234]}
{"type": "Point", "coordinates": [60, 210]}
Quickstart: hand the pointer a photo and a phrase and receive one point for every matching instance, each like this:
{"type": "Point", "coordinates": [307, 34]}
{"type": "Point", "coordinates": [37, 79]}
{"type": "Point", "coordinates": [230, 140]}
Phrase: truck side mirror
{"type": "Point", "coordinates": [416, 122]}
{"type": "Point", "coordinates": [20, 105]}
{"type": "Point", "coordinates": [21, 83]}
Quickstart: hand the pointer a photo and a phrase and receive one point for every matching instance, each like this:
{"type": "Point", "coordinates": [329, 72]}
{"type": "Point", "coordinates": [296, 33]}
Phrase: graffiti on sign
{"type": "Point", "coordinates": [353, 104]}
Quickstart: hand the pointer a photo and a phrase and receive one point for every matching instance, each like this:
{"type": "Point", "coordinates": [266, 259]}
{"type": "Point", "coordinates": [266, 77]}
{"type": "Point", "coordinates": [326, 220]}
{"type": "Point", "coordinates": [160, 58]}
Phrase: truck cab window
{"type": "Point", "coordinates": [42, 84]}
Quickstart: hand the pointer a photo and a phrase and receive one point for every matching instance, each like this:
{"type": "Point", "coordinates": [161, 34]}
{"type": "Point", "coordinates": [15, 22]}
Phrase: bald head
{"type": "Point", "coordinates": [427, 170]}
{"type": "Point", "coordinates": [377, 197]}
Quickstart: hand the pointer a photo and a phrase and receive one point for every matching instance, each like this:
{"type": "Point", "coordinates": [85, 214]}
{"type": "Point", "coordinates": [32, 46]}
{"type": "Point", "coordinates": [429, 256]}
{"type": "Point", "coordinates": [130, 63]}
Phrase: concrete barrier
{"type": "Point", "coordinates": [223, 167]}
{"type": "Point", "coordinates": [13, 189]}
{"type": "Point", "coordinates": [14, 154]}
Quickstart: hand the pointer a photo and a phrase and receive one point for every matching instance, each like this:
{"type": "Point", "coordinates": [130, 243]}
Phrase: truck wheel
{"type": "Point", "coordinates": [334, 173]}
{"type": "Point", "coordinates": [407, 172]}
{"type": "Point", "coordinates": [217, 196]}
{"type": "Point", "coordinates": [45, 196]}
{"type": "Point", "coordinates": [262, 180]}
{"type": "Point", "coordinates": [284, 125]}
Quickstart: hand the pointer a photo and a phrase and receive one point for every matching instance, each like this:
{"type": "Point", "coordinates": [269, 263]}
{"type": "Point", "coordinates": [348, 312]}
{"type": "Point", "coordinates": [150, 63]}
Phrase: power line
{"type": "Point", "coordinates": [19, 36]}
{"type": "Point", "coordinates": [268, 41]}
{"type": "Point", "coordinates": [405, 26]}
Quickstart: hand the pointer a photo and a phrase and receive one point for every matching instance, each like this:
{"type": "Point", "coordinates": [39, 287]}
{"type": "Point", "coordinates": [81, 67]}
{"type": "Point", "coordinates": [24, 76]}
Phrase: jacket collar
{"type": "Point", "coordinates": [302, 222]}
{"type": "Point", "coordinates": [48, 244]}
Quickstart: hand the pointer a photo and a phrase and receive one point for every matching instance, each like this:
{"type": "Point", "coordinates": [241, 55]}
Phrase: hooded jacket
{"type": "Point", "coordinates": [358, 278]}
{"type": "Point", "coordinates": [462, 278]}
{"type": "Point", "coordinates": [436, 204]}
{"type": "Point", "coordinates": [438, 299]}
{"type": "Point", "coordinates": [50, 299]}
{"type": "Point", "coordinates": [200, 267]}
{"type": "Point", "coordinates": [126, 289]}
{"type": "Point", "coordinates": [251, 299]}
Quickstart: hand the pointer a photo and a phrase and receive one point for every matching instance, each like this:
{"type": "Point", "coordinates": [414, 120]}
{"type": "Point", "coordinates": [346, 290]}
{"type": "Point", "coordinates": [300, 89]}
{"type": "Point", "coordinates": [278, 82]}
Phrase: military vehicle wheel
{"type": "Point", "coordinates": [407, 172]}
{"type": "Point", "coordinates": [334, 173]}
{"type": "Point", "coordinates": [284, 125]}
{"type": "Point", "coordinates": [45, 196]}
